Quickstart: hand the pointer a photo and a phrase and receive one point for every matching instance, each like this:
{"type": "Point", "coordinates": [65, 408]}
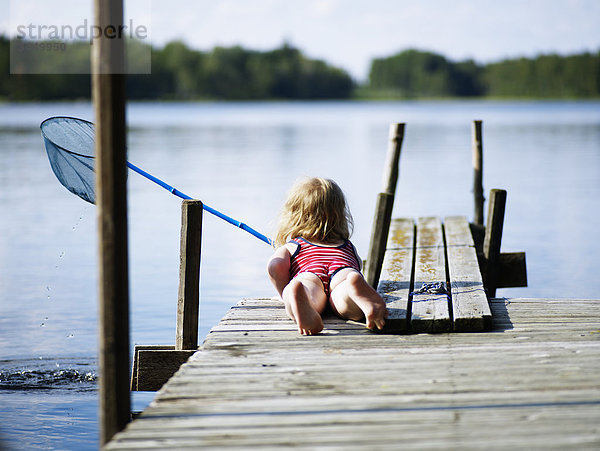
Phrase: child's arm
{"type": "Point", "coordinates": [278, 268]}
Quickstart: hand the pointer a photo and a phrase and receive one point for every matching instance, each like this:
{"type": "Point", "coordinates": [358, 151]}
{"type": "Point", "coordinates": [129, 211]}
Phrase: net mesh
{"type": "Point", "coordinates": [69, 143]}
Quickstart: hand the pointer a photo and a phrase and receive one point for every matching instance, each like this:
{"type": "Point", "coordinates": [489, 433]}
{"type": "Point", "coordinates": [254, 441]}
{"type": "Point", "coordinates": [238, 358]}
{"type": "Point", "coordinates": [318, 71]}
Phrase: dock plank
{"type": "Point", "coordinates": [395, 280]}
{"type": "Point", "coordinates": [429, 312]}
{"type": "Point", "coordinates": [529, 383]}
{"type": "Point", "coordinates": [470, 308]}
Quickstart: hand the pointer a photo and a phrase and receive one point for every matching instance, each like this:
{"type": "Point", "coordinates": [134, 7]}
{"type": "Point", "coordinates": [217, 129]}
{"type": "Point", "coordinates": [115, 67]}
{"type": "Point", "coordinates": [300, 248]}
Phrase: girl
{"type": "Point", "coordinates": [315, 263]}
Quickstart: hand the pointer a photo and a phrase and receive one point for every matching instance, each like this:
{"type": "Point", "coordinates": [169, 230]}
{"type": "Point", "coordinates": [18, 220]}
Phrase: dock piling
{"type": "Point", "coordinates": [478, 172]}
{"type": "Point", "coordinates": [384, 206]}
{"type": "Point", "coordinates": [153, 365]}
{"type": "Point", "coordinates": [108, 82]}
{"type": "Point", "coordinates": [493, 240]}
{"type": "Point", "coordinates": [188, 301]}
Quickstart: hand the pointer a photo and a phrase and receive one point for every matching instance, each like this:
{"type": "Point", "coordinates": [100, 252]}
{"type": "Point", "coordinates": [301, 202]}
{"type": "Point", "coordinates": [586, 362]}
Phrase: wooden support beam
{"type": "Point", "coordinates": [188, 302]}
{"type": "Point", "coordinates": [493, 240]}
{"type": "Point", "coordinates": [153, 366]}
{"type": "Point", "coordinates": [512, 270]}
{"type": "Point", "coordinates": [478, 173]}
{"type": "Point", "coordinates": [111, 200]}
{"type": "Point", "coordinates": [384, 206]}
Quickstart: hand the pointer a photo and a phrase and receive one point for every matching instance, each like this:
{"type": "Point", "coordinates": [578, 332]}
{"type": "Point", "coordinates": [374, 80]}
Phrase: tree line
{"type": "Point", "coordinates": [417, 74]}
{"type": "Point", "coordinates": [181, 73]}
{"type": "Point", "coordinates": [235, 73]}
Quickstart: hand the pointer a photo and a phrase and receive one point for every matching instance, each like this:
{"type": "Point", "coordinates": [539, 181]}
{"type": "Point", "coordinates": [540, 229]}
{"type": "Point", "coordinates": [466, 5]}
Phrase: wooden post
{"type": "Point", "coordinates": [188, 301]}
{"type": "Point", "coordinates": [493, 240]}
{"type": "Point", "coordinates": [384, 206]}
{"type": "Point", "coordinates": [391, 169]}
{"type": "Point", "coordinates": [379, 235]}
{"type": "Point", "coordinates": [478, 173]}
{"type": "Point", "coordinates": [111, 199]}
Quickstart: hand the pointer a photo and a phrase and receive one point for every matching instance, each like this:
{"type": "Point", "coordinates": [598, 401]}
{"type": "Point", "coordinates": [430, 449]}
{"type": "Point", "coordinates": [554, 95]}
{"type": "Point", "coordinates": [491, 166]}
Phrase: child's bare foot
{"type": "Point", "coordinates": [375, 312]}
{"type": "Point", "coordinates": [308, 320]}
{"type": "Point", "coordinates": [299, 307]}
{"type": "Point", "coordinates": [353, 298]}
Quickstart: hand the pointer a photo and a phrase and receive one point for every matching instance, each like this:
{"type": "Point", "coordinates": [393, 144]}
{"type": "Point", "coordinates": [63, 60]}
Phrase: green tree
{"type": "Point", "coordinates": [414, 73]}
{"type": "Point", "coordinates": [226, 74]}
{"type": "Point", "coordinates": [4, 67]}
{"type": "Point", "coordinates": [546, 76]}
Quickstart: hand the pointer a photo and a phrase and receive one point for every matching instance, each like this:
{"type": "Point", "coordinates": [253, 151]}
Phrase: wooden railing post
{"type": "Point", "coordinates": [188, 302]}
{"type": "Point", "coordinates": [478, 173]}
{"type": "Point", "coordinates": [384, 206]}
{"type": "Point", "coordinates": [493, 240]}
{"type": "Point", "coordinates": [108, 83]}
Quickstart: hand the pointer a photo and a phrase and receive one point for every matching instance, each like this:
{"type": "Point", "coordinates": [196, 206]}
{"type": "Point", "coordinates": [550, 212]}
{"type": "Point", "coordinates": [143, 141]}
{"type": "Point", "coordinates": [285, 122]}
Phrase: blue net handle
{"type": "Point", "coordinates": [211, 210]}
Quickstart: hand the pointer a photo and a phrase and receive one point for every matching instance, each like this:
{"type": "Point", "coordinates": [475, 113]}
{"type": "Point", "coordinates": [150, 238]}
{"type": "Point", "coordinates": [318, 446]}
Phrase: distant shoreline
{"type": "Point", "coordinates": [4, 101]}
{"type": "Point", "coordinates": [180, 73]}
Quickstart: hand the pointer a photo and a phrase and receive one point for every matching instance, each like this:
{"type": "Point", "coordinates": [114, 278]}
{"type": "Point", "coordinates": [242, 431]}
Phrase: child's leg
{"type": "Point", "coordinates": [305, 299]}
{"type": "Point", "coordinates": [353, 298]}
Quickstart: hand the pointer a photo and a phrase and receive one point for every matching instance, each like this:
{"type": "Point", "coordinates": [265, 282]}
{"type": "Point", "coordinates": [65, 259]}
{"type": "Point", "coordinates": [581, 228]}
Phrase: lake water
{"type": "Point", "coordinates": [241, 158]}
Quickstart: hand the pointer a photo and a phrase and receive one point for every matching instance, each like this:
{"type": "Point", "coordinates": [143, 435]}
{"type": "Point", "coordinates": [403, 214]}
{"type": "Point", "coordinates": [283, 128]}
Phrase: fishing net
{"type": "Point", "coordinates": [69, 143]}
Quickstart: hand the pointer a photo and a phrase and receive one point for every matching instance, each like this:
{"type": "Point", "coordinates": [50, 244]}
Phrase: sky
{"type": "Point", "coordinates": [348, 33]}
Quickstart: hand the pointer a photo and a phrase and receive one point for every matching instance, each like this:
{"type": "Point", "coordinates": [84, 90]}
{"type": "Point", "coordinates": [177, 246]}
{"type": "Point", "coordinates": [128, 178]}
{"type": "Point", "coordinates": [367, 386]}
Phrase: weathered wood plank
{"type": "Point", "coordinates": [429, 312]}
{"type": "Point", "coordinates": [457, 232]}
{"type": "Point", "coordinates": [470, 308]}
{"type": "Point", "coordinates": [532, 381]}
{"type": "Point", "coordinates": [395, 281]}
{"type": "Point", "coordinates": [373, 430]}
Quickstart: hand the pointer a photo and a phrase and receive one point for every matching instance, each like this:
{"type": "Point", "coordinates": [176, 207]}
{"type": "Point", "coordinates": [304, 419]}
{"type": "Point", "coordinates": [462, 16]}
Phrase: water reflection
{"type": "Point", "coordinates": [241, 159]}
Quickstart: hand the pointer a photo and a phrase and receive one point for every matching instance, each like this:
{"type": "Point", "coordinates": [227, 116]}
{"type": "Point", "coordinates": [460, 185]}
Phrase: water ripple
{"type": "Point", "coordinates": [44, 375]}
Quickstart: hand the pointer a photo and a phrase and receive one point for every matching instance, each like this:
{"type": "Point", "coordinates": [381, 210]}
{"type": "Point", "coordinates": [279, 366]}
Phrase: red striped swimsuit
{"type": "Point", "coordinates": [323, 261]}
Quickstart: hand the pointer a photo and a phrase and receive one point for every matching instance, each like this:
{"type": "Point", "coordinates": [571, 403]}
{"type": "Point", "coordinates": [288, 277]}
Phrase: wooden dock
{"type": "Point", "coordinates": [525, 377]}
{"type": "Point", "coordinates": [531, 382]}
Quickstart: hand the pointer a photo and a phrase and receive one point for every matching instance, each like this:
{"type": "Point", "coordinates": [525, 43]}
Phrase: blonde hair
{"type": "Point", "coordinates": [316, 210]}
